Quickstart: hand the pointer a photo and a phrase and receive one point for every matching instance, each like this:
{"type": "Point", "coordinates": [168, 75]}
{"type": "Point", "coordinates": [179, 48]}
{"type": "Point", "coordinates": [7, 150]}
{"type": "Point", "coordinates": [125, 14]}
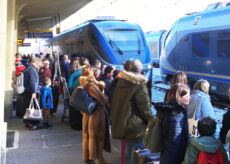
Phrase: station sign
{"type": "Point", "coordinates": [19, 41]}
{"type": "Point", "coordinates": [39, 34]}
{"type": "Point", "coordinates": [26, 44]}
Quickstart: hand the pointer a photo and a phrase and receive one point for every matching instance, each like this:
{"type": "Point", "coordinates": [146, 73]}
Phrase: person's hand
{"type": "Point", "coordinates": [34, 96]}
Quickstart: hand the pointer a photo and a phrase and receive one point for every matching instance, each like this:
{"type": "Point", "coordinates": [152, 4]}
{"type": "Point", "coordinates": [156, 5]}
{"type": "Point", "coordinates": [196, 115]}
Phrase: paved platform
{"type": "Point", "coordinates": [59, 144]}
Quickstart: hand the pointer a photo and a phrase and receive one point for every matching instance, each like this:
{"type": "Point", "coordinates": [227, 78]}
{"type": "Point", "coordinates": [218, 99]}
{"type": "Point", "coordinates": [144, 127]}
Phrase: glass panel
{"type": "Point", "coordinates": [124, 40]}
{"type": "Point", "coordinates": [200, 44]}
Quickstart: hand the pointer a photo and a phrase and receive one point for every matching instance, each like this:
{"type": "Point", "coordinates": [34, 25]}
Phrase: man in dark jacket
{"type": "Point", "coordinates": [130, 108]}
{"type": "Point", "coordinates": [31, 82]}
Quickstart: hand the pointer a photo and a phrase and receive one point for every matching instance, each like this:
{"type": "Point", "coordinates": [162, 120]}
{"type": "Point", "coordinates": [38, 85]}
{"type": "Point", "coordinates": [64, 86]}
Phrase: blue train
{"type": "Point", "coordinates": [110, 41]}
{"type": "Point", "coordinates": [199, 44]}
{"type": "Point", "coordinates": [154, 40]}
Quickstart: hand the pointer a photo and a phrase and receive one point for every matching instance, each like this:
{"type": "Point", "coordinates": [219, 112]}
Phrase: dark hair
{"type": "Point", "coordinates": [206, 126]}
{"type": "Point", "coordinates": [128, 65]}
{"type": "Point", "coordinates": [108, 69]}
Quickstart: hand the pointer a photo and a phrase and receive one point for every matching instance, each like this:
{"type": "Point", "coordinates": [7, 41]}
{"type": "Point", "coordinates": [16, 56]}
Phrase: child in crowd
{"type": "Point", "coordinates": [46, 101]}
{"type": "Point", "coordinates": [206, 146]}
{"type": "Point", "coordinates": [19, 67]}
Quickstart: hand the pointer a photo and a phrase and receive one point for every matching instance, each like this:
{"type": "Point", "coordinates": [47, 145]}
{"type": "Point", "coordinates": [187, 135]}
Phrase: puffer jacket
{"type": "Point", "coordinates": [205, 143]}
{"type": "Point", "coordinates": [204, 108]}
{"type": "Point", "coordinates": [175, 132]}
{"type": "Point", "coordinates": [130, 106]}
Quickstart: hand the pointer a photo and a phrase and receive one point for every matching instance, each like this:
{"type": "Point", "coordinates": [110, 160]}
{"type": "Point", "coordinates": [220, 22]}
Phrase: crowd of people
{"type": "Point", "coordinates": [123, 103]}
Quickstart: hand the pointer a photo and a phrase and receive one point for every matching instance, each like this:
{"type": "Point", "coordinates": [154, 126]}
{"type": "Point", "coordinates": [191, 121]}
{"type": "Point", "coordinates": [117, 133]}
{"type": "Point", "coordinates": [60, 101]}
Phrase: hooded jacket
{"type": "Point", "coordinates": [175, 132]}
{"type": "Point", "coordinates": [130, 106]}
{"type": "Point", "coordinates": [205, 143]}
{"type": "Point", "coordinates": [204, 108]}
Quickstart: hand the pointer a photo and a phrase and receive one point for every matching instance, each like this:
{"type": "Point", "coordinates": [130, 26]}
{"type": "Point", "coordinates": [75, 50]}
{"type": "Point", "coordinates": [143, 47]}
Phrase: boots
{"type": "Point", "coordinates": [90, 162]}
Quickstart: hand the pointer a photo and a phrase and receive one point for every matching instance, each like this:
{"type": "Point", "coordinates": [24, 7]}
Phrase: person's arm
{"type": "Point", "coordinates": [143, 103]}
{"type": "Point", "coordinates": [207, 108]}
{"type": "Point", "coordinates": [33, 83]}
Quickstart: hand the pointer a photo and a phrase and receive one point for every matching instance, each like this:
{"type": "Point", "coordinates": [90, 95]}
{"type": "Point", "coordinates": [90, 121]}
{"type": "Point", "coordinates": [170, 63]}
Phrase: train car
{"type": "Point", "coordinates": [110, 41]}
{"type": "Point", "coordinates": [199, 45]}
{"type": "Point", "coordinates": [154, 40]}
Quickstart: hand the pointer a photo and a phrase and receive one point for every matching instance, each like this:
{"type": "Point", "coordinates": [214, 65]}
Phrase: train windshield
{"type": "Point", "coordinates": [122, 40]}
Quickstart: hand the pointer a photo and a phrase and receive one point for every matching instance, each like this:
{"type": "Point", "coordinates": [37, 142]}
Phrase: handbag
{"type": "Point", "coordinates": [33, 112]}
{"type": "Point", "coordinates": [153, 138]}
{"type": "Point", "coordinates": [82, 101]}
{"type": "Point", "coordinates": [192, 123]}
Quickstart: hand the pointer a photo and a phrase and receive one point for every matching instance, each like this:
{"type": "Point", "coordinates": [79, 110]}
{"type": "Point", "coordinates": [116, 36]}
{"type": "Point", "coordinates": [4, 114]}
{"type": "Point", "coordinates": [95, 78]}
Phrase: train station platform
{"type": "Point", "coordinates": [59, 144]}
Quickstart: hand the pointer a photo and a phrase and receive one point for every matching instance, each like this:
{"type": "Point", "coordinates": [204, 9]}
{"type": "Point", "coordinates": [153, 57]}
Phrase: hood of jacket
{"type": "Point", "coordinates": [206, 143]}
{"type": "Point", "coordinates": [132, 77]}
{"type": "Point", "coordinates": [164, 109]}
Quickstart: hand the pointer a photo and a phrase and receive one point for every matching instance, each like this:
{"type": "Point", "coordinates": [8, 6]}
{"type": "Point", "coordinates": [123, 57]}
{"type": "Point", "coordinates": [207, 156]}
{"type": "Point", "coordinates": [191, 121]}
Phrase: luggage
{"type": "Point", "coordinates": [55, 94]}
{"type": "Point", "coordinates": [20, 106]}
{"type": "Point", "coordinates": [82, 101]}
{"type": "Point", "coordinates": [145, 156]}
{"type": "Point", "coordinates": [75, 118]}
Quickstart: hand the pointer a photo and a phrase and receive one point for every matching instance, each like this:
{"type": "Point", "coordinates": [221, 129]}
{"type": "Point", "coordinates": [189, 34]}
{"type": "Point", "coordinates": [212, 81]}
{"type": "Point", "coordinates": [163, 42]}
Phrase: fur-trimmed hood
{"type": "Point", "coordinates": [132, 77]}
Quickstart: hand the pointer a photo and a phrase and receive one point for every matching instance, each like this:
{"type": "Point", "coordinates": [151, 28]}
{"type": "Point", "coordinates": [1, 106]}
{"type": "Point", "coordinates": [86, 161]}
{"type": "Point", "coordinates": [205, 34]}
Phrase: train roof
{"type": "Point", "coordinates": [210, 18]}
{"type": "Point", "coordinates": [102, 23]}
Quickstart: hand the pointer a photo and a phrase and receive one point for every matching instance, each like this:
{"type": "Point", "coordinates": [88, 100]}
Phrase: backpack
{"type": "Point", "coordinates": [19, 86]}
{"type": "Point", "coordinates": [210, 158]}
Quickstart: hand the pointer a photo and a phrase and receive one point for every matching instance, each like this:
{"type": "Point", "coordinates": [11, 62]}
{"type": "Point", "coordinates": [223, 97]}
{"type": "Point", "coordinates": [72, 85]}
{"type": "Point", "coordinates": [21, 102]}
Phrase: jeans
{"type": "Point", "coordinates": [131, 146]}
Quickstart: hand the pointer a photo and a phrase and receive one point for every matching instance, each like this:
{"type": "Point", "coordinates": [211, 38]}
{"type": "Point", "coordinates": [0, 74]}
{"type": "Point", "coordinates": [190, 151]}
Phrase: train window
{"type": "Point", "coordinates": [223, 44]}
{"type": "Point", "coordinates": [128, 40]}
{"type": "Point", "coordinates": [223, 48]}
{"type": "Point", "coordinates": [200, 44]}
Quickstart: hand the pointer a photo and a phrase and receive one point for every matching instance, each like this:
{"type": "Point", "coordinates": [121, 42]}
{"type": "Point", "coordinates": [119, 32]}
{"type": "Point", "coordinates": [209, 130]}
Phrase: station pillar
{"type": "Point", "coordinates": [11, 45]}
{"type": "Point", "coordinates": [3, 34]}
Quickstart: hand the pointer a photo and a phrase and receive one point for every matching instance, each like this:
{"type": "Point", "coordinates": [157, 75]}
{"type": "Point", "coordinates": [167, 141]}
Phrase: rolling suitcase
{"type": "Point", "coordinates": [75, 118]}
{"type": "Point", "coordinates": [20, 106]}
{"type": "Point", "coordinates": [145, 156]}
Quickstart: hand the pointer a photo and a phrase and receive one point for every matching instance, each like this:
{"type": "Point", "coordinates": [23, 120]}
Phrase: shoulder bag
{"type": "Point", "coordinates": [82, 101]}
{"type": "Point", "coordinates": [153, 138]}
{"type": "Point", "coordinates": [192, 122]}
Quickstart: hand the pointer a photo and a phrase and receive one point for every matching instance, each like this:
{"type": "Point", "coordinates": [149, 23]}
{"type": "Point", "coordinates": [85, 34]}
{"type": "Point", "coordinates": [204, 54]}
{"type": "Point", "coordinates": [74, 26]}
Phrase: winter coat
{"type": "Point", "coordinates": [226, 126]}
{"type": "Point", "coordinates": [93, 126]}
{"type": "Point", "coordinates": [204, 108]}
{"type": "Point", "coordinates": [108, 81]}
{"type": "Point", "coordinates": [205, 143]}
{"type": "Point", "coordinates": [130, 106]}
{"type": "Point", "coordinates": [45, 73]}
{"type": "Point", "coordinates": [73, 80]}
{"type": "Point", "coordinates": [31, 79]}
{"type": "Point", "coordinates": [65, 70]}
{"type": "Point", "coordinates": [46, 97]}
{"type": "Point", "coordinates": [175, 132]}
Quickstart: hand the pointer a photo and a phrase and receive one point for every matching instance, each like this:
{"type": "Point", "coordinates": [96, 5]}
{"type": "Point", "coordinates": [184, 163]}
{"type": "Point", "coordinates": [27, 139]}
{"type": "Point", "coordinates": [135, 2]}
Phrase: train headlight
{"type": "Point", "coordinates": [149, 66]}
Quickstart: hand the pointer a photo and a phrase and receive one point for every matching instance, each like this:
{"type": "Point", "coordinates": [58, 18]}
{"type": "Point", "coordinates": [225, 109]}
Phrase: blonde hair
{"type": "Point", "coordinates": [202, 85]}
{"type": "Point", "coordinates": [176, 91]}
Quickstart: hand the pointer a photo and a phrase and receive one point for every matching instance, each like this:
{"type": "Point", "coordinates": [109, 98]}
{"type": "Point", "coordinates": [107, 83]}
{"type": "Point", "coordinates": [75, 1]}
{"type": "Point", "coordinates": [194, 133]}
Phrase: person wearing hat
{"type": "Point", "coordinates": [19, 67]}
